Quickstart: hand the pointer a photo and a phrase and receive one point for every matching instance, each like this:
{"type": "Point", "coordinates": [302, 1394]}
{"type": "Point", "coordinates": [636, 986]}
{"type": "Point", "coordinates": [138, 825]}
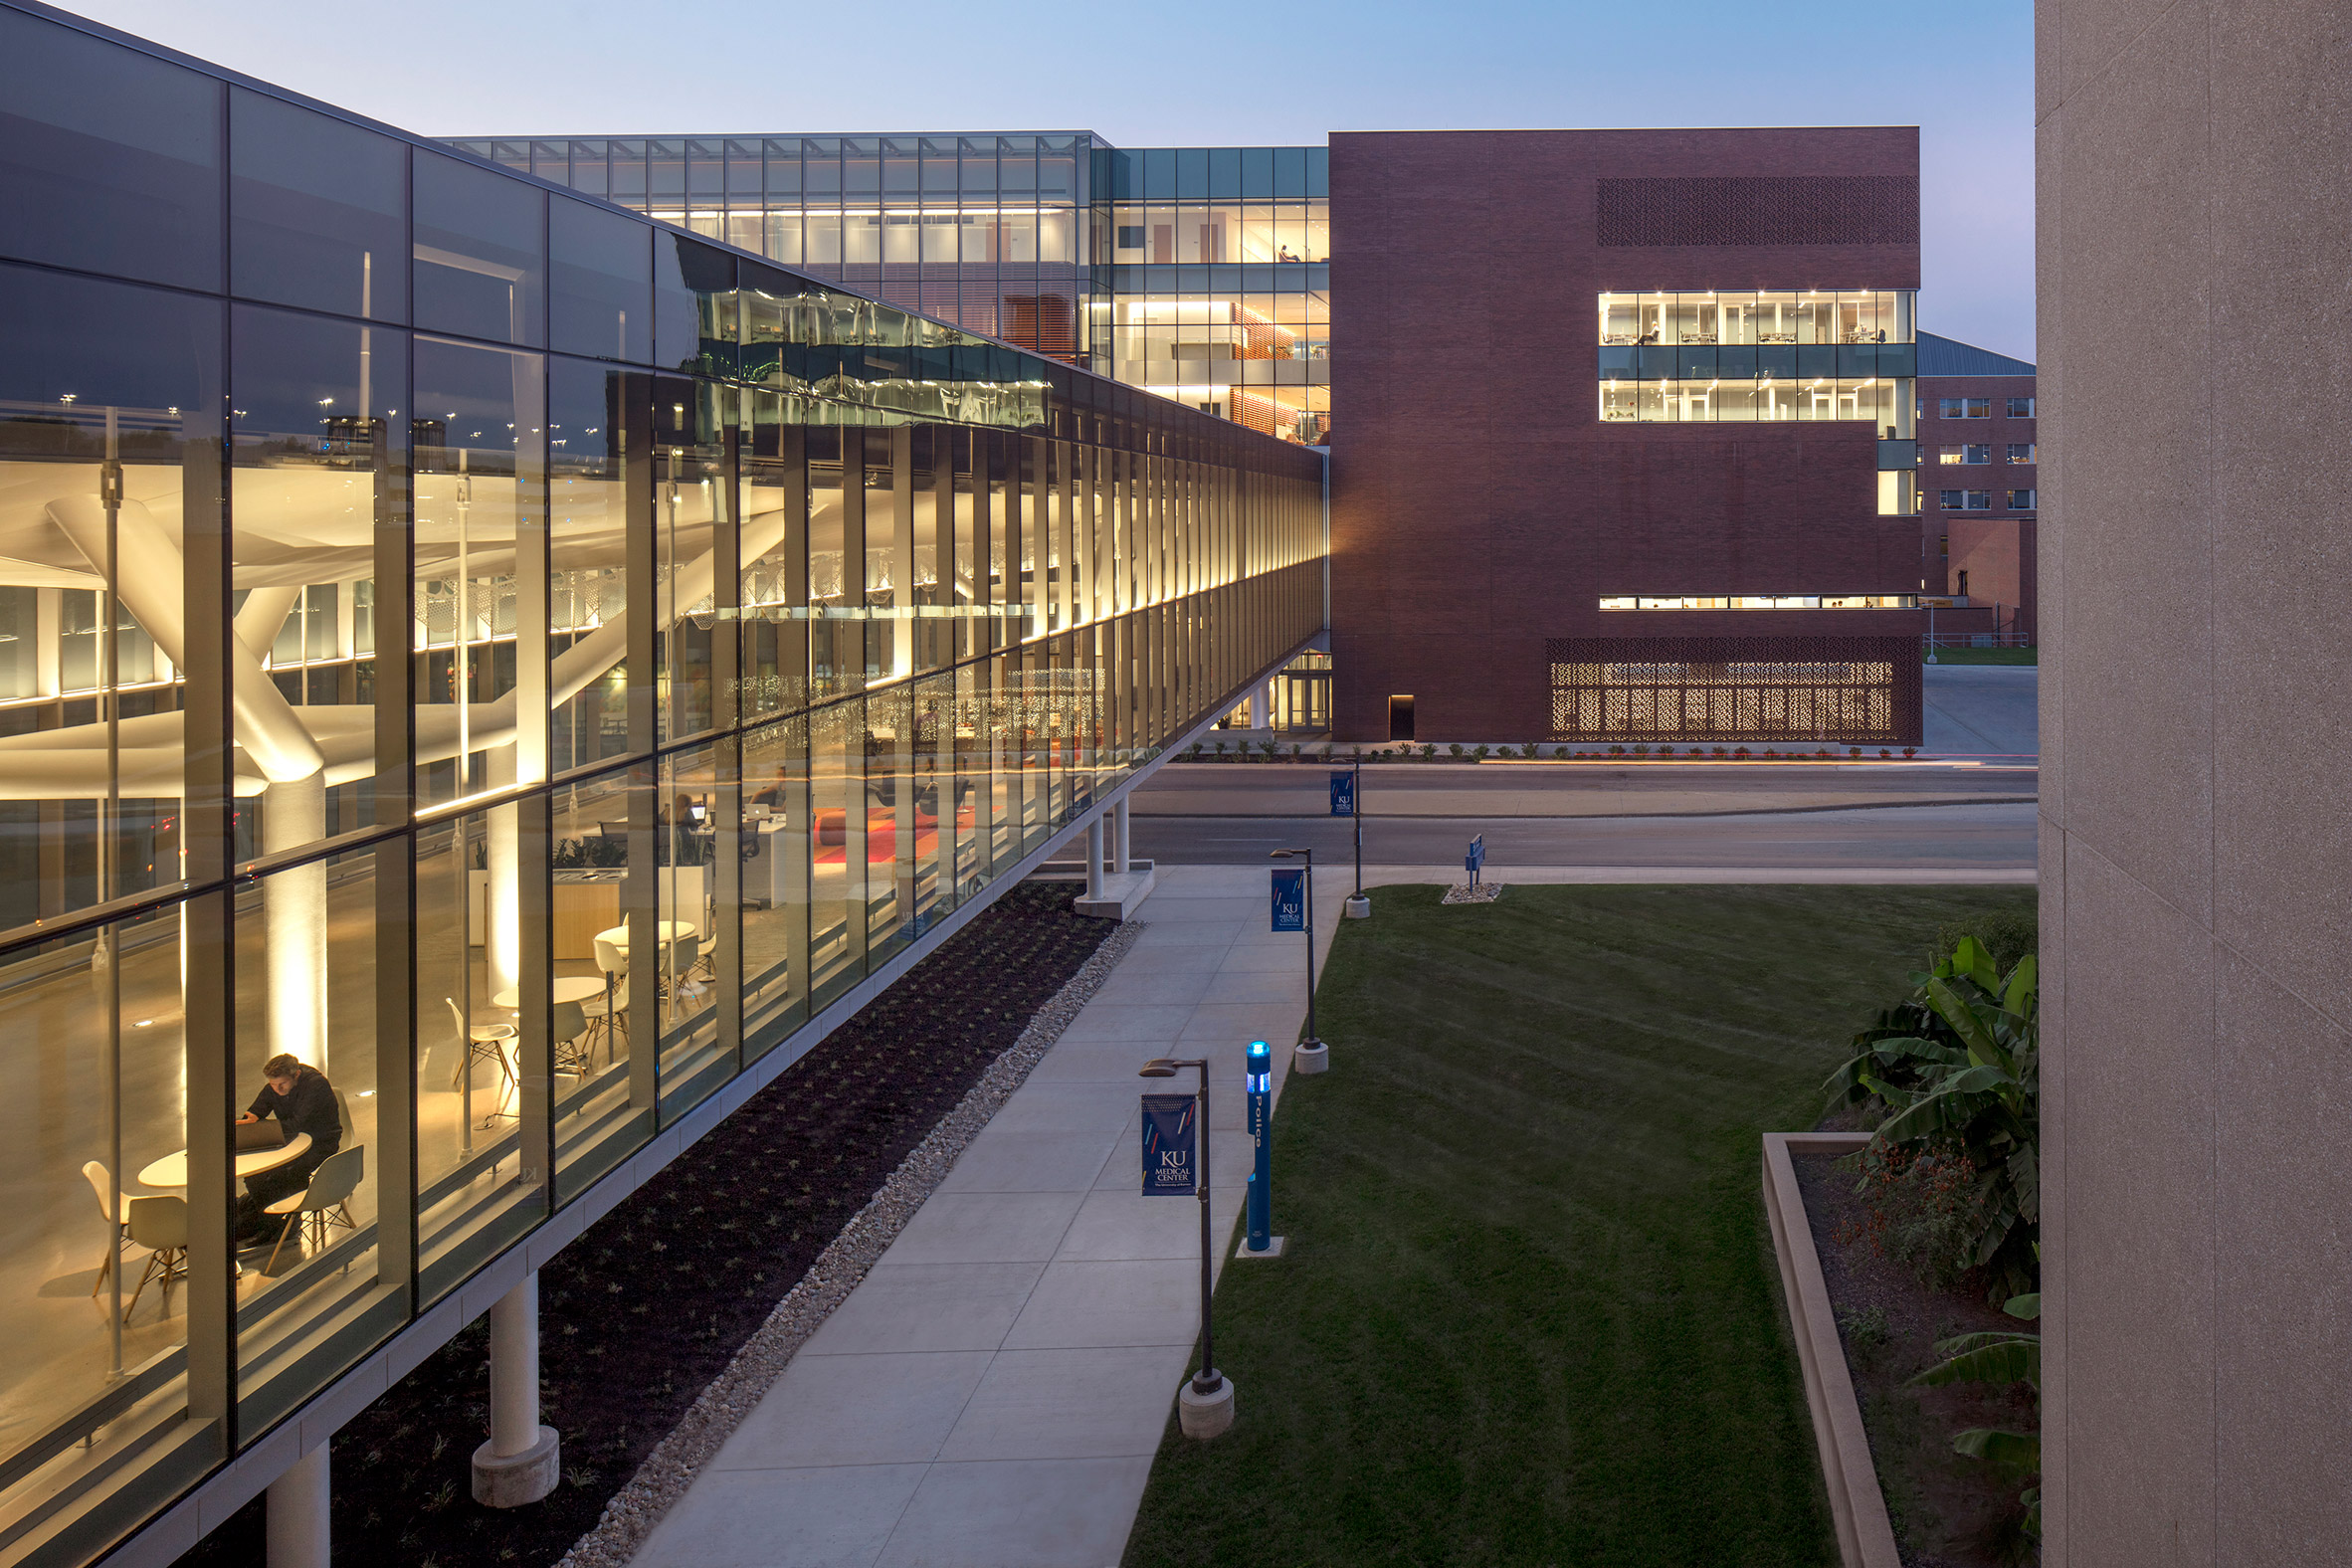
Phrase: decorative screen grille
{"type": "Point", "coordinates": [1851, 691]}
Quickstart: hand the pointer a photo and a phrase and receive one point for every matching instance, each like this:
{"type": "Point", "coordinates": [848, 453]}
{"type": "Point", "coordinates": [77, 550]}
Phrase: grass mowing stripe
{"type": "Point", "coordinates": [1530, 1315]}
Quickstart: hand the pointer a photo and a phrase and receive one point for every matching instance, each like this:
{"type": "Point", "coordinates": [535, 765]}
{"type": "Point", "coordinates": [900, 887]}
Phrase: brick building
{"type": "Point", "coordinates": [1713, 541]}
{"type": "Point", "coordinates": [1978, 455]}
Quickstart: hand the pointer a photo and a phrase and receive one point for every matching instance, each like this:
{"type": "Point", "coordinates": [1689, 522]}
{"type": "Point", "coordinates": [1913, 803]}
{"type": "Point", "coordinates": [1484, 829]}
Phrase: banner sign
{"type": "Point", "coordinates": [1171, 1134]}
{"type": "Point", "coordinates": [1343, 794]}
{"type": "Point", "coordinates": [1475, 861]}
{"type": "Point", "coordinates": [1289, 899]}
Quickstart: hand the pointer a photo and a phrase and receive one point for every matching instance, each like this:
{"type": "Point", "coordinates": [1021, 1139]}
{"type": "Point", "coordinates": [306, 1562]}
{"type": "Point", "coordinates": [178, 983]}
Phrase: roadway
{"type": "Point", "coordinates": [1919, 817]}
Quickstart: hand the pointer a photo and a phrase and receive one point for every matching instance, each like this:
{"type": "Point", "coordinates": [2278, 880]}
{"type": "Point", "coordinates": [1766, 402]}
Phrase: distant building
{"type": "Point", "coordinates": [1978, 456]}
{"type": "Point", "coordinates": [1715, 540]}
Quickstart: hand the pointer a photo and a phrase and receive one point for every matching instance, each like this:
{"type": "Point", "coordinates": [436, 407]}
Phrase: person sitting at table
{"type": "Point", "coordinates": [302, 1100]}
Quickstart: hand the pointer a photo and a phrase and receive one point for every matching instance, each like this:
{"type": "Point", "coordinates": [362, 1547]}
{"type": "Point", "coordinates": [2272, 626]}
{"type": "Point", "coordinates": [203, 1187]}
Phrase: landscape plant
{"type": "Point", "coordinates": [1999, 1358]}
{"type": "Point", "coordinates": [1954, 1166]}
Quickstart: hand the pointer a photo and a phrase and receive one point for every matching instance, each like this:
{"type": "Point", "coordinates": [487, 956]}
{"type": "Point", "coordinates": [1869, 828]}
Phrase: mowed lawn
{"type": "Point", "coordinates": [1532, 1315]}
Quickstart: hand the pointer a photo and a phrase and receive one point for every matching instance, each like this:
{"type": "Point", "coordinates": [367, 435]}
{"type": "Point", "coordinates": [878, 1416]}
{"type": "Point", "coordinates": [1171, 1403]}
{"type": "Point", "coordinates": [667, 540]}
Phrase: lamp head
{"type": "Point", "coordinates": [1259, 1056]}
{"type": "Point", "coordinates": [1157, 1067]}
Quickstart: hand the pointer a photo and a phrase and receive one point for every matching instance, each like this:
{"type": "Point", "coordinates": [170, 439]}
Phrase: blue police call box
{"type": "Point", "coordinates": [1289, 899]}
{"type": "Point", "coordinates": [1171, 1141]}
{"type": "Point", "coordinates": [1343, 794]}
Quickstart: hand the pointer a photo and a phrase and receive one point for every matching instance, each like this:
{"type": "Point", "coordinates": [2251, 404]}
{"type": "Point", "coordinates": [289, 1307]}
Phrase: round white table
{"type": "Point", "coordinates": [566, 988]}
{"type": "Point", "coordinates": [665, 932]}
{"type": "Point", "coordinates": [172, 1169]}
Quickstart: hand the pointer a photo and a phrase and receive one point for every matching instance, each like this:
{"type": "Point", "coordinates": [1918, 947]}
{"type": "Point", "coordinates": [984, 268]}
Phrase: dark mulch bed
{"type": "Point", "coordinates": [1948, 1511]}
{"type": "Point", "coordinates": [653, 1300]}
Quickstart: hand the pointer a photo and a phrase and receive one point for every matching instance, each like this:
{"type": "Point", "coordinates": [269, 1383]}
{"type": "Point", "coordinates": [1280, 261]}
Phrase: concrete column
{"type": "Point", "coordinates": [1119, 836]}
{"type": "Point", "coordinates": [296, 1514]}
{"type": "Point", "coordinates": [520, 1462]}
{"type": "Point", "coordinates": [293, 915]}
{"type": "Point", "coordinates": [1095, 856]}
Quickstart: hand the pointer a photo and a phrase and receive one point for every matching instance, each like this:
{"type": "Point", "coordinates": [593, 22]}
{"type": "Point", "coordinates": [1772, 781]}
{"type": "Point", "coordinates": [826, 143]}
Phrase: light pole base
{"type": "Point", "coordinates": [1311, 1055]}
{"type": "Point", "coordinates": [512, 1480]}
{"type": "Point", "coordinates": [1273, 1248]}
{"type": "Point", "coordinates": [1360, 907]}
{"type": "Point", "coordinates": [1204, 1415]}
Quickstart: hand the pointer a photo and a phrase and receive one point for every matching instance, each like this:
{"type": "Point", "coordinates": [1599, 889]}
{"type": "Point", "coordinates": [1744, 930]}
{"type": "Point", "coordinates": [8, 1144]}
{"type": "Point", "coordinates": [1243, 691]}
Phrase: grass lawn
{"type": "Point", "coordinates": [1532, 1315]}
{"type": "Point", "coordinates": [1987, 656]}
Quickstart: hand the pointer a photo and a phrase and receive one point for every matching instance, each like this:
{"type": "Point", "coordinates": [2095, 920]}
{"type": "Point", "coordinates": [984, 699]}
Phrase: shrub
{"type": "Point", "coordinates": [1883, 751]}
{"type": "Point", "coordinates": [1617, 751]}
{"type": "Point", "coordinates": [1640, 751]}
{"type": "Point", "coordinates": [2006, 935]}
{"type": "Point", "coordinates": [1479, 754]}
{"type": "Point", "coordinates": [1865, 1332]}
{"type": "Point", "coordinates": [1739, 751]}
{"type": "Point", "coordinates": [2000, 1357]}
{"type": "Point", "coordinates": [1911, 752]}
{"type": "Point", "coordinates": [1770, 754]}
{"type": "Point", "coordinates": [1853, 751]}
{"type": "Point", "coordinates": [1428, 751]}
{"type": "Point", "coordinates": [1954, 1168]}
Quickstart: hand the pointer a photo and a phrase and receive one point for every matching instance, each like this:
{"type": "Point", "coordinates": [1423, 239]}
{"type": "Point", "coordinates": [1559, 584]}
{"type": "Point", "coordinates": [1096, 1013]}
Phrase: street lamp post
{"type": "Point", "coordinates": [1310, 1055]}
{"type": "Point", "coordinates": [1206, 1403]}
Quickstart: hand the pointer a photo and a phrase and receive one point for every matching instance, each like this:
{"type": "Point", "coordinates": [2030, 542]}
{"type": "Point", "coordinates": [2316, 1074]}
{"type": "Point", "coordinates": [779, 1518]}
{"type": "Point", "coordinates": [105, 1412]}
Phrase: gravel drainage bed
{"type": "Point", "coordinates": [668, 1320]}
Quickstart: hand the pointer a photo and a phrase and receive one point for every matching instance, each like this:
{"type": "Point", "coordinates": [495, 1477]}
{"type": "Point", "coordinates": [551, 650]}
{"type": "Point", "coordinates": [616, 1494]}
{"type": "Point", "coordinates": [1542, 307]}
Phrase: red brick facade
{"type": "Point", "coordinates": [1479, 506]}
{"type": "Point", "coordinates": [1986, 555]}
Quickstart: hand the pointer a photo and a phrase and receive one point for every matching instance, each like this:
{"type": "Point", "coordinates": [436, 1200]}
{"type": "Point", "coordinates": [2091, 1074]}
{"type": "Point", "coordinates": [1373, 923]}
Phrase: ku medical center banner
{"type": "Point", "coordinates": [1171, 1141]}
{"type": "Point", "coordinates": [1289, 899]}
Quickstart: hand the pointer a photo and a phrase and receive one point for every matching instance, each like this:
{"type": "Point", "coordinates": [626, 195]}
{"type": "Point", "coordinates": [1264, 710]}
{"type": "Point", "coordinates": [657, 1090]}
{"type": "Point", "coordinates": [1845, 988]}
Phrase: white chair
{"type": "Point", "coordinates": [610, 1012]}
{"type": "Point", "coordinates": [685, 955]}
{"type": "Point", "coordinates": [483, 1043]}
{"type": "Point", "coordinates": [326, 1201]}
{"type": "Point", "coordinates": [568, 1022]}
{"type": "Point", "coordinates": [102, 1183]}
{"type": "Point", "coordinates": [161, 1224]}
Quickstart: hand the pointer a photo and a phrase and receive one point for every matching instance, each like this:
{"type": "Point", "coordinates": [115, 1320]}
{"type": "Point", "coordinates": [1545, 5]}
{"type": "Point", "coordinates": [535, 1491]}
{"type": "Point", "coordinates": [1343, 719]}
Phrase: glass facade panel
{"type": "Point", "coordinates": [520, 737]}
{"type": "Point", "coordinates": [481, 252]}
{"type": "Point", "coordinates": [1744, 356]}
{"type": "Point", "coordinates": [600, 283]}
{"type": "Point", "coordinates": [321, 210]}
{"type": "Point", "coordinates": [110, 159]}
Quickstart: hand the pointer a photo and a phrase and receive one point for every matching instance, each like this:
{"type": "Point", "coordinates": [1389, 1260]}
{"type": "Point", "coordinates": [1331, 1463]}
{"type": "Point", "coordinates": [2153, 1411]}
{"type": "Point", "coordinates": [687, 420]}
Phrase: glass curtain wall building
{"type": "Point", "coordinates": [520, 659]}
{"type": "Point", "coordinates": [1202, 273]}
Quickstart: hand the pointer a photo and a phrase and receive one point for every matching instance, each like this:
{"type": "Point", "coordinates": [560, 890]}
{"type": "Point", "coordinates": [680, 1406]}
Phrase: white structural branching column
{"type": "Point", "coordinates": [519, 1463]}
{"type": "Point", "coordinates": [294, 914]}
{"type": "Point", "coordinates": [297, 1522]}
{"type": "Point", "coordinates": [1095, 856]}
{"type": "Point", "coordinates": [1119, 836]}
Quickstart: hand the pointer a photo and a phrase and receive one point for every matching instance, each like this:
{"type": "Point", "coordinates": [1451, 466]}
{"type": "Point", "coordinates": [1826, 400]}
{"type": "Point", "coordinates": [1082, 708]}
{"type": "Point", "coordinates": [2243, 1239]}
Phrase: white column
{"type": "Point", "coordinates": [520, 1462]}
{"type": "Point", "coordinates": [514, 1368]}
{"type": "Point", "coordinates": [296, 1514]}
{"type": "Point", "coordinates": [294, 914]}
{"type": "Point", "coordinates": [1095, 856]}
{"type": "Point", "coordinates": [1119, 836]}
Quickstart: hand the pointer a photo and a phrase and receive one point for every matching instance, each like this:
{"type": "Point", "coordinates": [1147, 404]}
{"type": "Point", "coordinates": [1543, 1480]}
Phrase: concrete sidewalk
{"type": "Point", "coordinates": [991, 1396]}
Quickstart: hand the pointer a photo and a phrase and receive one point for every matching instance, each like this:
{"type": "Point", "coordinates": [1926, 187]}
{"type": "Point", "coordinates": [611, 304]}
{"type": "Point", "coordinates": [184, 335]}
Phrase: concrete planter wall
{"type": "Point", "coordinates": [1857, 1506]}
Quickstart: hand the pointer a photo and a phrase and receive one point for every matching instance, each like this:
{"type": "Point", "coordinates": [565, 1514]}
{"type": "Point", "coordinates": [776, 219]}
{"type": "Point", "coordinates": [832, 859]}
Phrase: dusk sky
{"type": "Point", "coordinates": [1215, 73]}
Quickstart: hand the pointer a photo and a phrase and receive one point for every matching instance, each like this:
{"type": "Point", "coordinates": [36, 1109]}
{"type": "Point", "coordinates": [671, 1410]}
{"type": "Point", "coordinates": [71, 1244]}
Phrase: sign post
{"type": "Point", "coordinates": [1295, 910]}
{"type": "Point", "coordinates": [1475, 861]}
{"type": "Point", "coordinates": [1170, 1124]}
{"type": "Point", "coordinates": [1258, 1080]}
{"type": "Point", "coordinates": [1348, 801]}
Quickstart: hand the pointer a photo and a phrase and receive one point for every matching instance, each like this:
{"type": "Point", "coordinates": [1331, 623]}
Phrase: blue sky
{"type": "Point", "coordinates": [1214, 73]}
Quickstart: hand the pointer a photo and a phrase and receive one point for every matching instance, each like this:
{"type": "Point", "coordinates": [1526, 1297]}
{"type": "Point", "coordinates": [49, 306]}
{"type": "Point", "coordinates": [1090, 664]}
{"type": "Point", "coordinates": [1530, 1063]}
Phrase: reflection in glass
{"type": "Point", "coordinates": [481, 252]}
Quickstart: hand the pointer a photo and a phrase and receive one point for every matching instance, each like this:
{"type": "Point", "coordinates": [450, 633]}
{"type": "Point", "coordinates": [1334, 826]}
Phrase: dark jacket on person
{"type": "Point", "coordinates": [308, 1108]}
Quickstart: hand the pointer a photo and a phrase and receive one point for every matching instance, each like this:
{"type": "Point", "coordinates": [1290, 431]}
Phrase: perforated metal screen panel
{"type": "Point", "coordinates": [1849, 690]}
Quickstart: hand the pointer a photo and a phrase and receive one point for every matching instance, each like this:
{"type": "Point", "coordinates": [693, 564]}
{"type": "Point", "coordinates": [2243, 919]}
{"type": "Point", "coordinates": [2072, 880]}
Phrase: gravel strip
{"type": "Point", "coordinates": [667, 1473]}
